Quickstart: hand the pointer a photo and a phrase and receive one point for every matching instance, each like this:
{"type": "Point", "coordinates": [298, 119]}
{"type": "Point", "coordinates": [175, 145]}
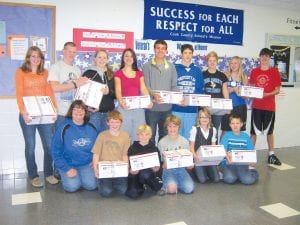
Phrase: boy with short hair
{"type": "Point", "coordinates": [263, 110]}
{"type": "Point", "coordinates": [177, 178]}
{"type": "Point", "coordinates": [111, 145]}
{"type": "Point", "coordinates": [190, 81]}
{"type": "Point", "coordinates": [138, 179]}
{"type": "Point", "coordinates": [159, 74]}
{"type": "Point", "coordinates": [237, 140]}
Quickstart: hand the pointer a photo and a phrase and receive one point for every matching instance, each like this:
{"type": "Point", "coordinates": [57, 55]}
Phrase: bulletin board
{"type": "Point", "coordinates": [22, 26]}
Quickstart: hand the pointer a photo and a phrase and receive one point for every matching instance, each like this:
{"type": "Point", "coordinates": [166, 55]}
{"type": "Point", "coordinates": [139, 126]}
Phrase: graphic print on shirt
{"type": "Point", "coordinates": [69, 95]}
{"type": "Point", "coordinates": [81, 142]}
{"type": "Point", "coordinates": [262, 80]}
{"type": "Point", "coordinates": [237, 144]}
{"type": "Point", "coordinates": [186, 84]}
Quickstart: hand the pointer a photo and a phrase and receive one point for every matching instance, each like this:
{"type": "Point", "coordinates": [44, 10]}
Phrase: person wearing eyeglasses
{"type": "Point", "coordinates": [203, 134]}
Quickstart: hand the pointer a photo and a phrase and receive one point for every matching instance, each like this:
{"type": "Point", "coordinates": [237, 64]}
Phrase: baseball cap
{"type": "Point", "coordinates": [266, 51]}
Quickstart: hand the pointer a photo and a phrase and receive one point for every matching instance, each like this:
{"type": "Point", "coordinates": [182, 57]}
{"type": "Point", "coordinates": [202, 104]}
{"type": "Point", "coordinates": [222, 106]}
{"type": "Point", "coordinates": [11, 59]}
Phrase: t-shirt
{"type": "Point", "coordinates": [169, 144]}
{"type": "Point", "coordinates": [236, 100]}
{"type": "Point", "coordinates": [130, 86]}
{"type": "Point", "coordinates": [111, 148]}
{"type": "Point", "coordinates": [64, 73]}
{"type": "Point", "coordinates": [269, 80]}
{"type": "Point", "coordinates": [213, 83]}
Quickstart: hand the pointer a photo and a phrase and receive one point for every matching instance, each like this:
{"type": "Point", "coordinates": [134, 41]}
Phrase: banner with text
{"type": "Point", "coordinates": [192, 22]}
{"type": "Point", "coordinates": [91, 40]}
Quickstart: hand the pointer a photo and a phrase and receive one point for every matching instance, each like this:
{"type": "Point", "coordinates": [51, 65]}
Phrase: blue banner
{"type": "Point", "coordinates": [192, 22]}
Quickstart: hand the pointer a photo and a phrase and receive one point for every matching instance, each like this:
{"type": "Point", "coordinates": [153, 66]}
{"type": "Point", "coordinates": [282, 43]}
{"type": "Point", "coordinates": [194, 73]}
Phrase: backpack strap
{"type": "Point", "coordinates": [64, 132]}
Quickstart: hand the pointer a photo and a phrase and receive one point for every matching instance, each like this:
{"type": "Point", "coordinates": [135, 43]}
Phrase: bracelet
{"type": "Point", "coordinates": [74, 83]}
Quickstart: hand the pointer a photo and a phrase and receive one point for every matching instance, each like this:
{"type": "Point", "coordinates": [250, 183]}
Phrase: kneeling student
{"type": "Point", "coordinates": [237, 140]}
{"type": "Point", "coordinates": [176, 178]}
{"type": "Point", "coordinates": [138, 179]}
{"type": "Point", "coordinates": [111, 145]}
{"type": "Point", "coordinates": [204, 134]}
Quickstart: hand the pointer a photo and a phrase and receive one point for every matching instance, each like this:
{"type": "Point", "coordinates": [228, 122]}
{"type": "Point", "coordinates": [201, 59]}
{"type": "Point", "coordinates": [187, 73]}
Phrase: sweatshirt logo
{"type": "Point", "coordinates": [81, 142]}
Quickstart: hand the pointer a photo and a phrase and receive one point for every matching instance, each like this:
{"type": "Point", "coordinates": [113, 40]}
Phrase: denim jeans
{"type": "Point", "coordinates": [179, 177]}
{"type": "Point", "coordinates": [85, 178]}
{"type": "Point", "coordinates": [131, 120]}
{"type": "Point", "coordinates": [187, 121]}
{"type": "Point", "coordinates": [154, 119]}
{"type": "Point", "coordinates": [234, 173]}
{"type": "Point", "coordinates": [59, 120]}
{"type": "Point", "coordinates": [29, 134]}
{"type": "Point", "coordinates": [106, 186]}
{"type": "Point", "coordinates": [204, 173]}
{"type": "Point", "coordinates": [99, 120]}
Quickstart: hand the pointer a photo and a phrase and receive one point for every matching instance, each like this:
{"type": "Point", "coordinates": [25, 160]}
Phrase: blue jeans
{"type": "Point", "coordinates": [154, 119]}
{"type": "Point", "coordinates": [85, 178]}
{"type": "Point", "coordinates": [59, 120]}
{"type": "Point", "coordinates": [106, 186]}
{"type": "Point", "coordinates": [99, 120]}
{"type": "Point", "coordinates": [131, 120]}
{"type": "Point", "coordinates": [29, 134]}
{"type": "Point", "coordinates": [179, 177]}
{"type": "Point", "coordinates": [187, 121]}
{"type": "Point", "coordinates": [204, 173]}
{"type": "Point", "coordinates": [234, 173]}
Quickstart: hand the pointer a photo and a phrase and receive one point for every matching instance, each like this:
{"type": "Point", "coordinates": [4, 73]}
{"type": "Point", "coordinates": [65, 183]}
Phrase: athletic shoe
{"type": "Point", "coordinates": [52, 180]}
{"type": "Point", "coordinates": [272, 159]}
{"type": "Point", "coordinates": [37, 182]}
{"type": "Point", "coordinates": [161, 192]}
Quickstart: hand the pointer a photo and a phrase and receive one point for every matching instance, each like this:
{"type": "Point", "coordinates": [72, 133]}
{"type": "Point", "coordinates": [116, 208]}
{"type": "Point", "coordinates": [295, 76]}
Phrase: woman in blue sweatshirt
{"type": "Point", "coordinates": [72, 149]}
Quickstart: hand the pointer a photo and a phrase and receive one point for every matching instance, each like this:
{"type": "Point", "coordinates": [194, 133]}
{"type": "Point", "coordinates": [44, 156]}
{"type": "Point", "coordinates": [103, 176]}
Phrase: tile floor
{"type": "Point", "coordinates": [274, 200]}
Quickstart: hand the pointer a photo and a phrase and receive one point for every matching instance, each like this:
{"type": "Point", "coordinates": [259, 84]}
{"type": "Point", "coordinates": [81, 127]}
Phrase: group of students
{"type": "Point", "coordinates": [82, 136]}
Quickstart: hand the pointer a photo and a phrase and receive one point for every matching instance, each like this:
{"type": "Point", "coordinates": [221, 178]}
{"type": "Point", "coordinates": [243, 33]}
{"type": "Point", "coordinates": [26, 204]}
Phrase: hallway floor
{"type": "Point", "coordinates": [210, 204]}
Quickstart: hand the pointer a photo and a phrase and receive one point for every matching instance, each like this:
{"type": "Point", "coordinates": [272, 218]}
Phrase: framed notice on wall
{"type": "Point", "coordinates": [22, 26]}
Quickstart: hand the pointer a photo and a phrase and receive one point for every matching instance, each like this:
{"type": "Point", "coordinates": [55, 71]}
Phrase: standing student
{"type": "Point", "coordinates": [263, 110]}
{"type": "Point", "coordinates": [102, 73]}
{"type": "Point", "coordinates": [237, 140]}
{"type": "Point", "coordinates": [215, 84]}
{"type": "Point", "coordinates": [189, 81]}
{"type": "Point", "coordinates": [177, 178]}
{"type": "Point", "coordinates": [204, 134]}
{"type": "Point", "coordinates": [138, 179]}
{"type": "Point", "coordinates": [64, 78]}
{"type": "Point", "coordinates": [159, 75]}
{"type": "Point", "coordinates": [111, 145]}
{"type": "Point", "coordinates": [236, 79]}
{"type": "Point", "coordinates": [31, 80]}
{"type": "Point", "coordinates": [72, 149]}
{"type": "Point", "coordinates": [129, 81]}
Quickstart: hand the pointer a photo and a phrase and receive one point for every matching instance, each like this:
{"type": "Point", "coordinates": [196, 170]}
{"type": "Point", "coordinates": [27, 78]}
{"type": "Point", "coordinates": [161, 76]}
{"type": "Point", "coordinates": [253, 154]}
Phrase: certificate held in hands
{"type": "Point", "coordinates": [112, 169]}
{"type": "Point", "coordinates": [251, 92]}
{"type": "Point", "coordinates": [137, 102]}
{"type": "Point", "coordinates": [245, 157]}
{"type": "Point", "coordinates": [90, 93]}
{"type": "Point", "coordinates": [144, 161]}
{"type": "Point", "coordinates": [210, 155]}
{"type": "Point", "coordinates": [170, 97]}
{"type": "Point", "coordinates": [220, 106]}
{"type": "Point", "coordinates": [40, 109]}
{"type": "Point", "coordinates": [197, 99]}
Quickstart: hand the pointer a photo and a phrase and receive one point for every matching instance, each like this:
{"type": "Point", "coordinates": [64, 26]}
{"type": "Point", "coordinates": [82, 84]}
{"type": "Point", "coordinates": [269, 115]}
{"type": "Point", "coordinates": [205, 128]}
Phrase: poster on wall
{"type": "Point", "coordinates": [192, 22]}
{"type": "Point", "coordinates": [113, 41]}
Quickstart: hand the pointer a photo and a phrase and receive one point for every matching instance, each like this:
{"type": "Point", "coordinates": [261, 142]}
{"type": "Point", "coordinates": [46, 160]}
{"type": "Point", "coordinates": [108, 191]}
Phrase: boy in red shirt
{"type": "Point", "coordinates": [263, 110]}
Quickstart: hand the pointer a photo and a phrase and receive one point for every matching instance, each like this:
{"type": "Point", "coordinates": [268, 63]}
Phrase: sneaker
{"type": "Point", "coordinates": [52, 180]}
{"type": "Point", "coordinates": [272, 159]}
{"type": "Point", "coordinates": [161, 192]}
{"type": "Point", "coordinates": [37, 182]}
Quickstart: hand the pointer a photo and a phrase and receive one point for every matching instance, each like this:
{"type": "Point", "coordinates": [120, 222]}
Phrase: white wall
{"type": "Point", "coordinates": [127, 15]}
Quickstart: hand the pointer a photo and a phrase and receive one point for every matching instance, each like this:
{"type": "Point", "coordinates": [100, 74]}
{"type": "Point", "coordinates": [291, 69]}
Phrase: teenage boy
{"type": "Point", "coordinates": [263, 110]}
{"type": "Point", "coordinates": [159, 74]}
{"type": "Point", "coordinates": [111, 145]}
{"type": "Point", "coordinates": [64, 78]}
{"type": "Point", "coordinates": [237, 140]}
{"type": "Point", "coordinates": [189, 81]}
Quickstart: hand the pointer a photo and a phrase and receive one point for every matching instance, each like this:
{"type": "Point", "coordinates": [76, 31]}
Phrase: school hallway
{"type": "Point", "coordinates": [210, 204]}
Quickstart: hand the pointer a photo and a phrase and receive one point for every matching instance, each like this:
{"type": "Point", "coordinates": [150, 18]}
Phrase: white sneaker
{"type": "Point", "coordinates": [37, 182]}
{"type": "Point", "coordinates": [52, 180]}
